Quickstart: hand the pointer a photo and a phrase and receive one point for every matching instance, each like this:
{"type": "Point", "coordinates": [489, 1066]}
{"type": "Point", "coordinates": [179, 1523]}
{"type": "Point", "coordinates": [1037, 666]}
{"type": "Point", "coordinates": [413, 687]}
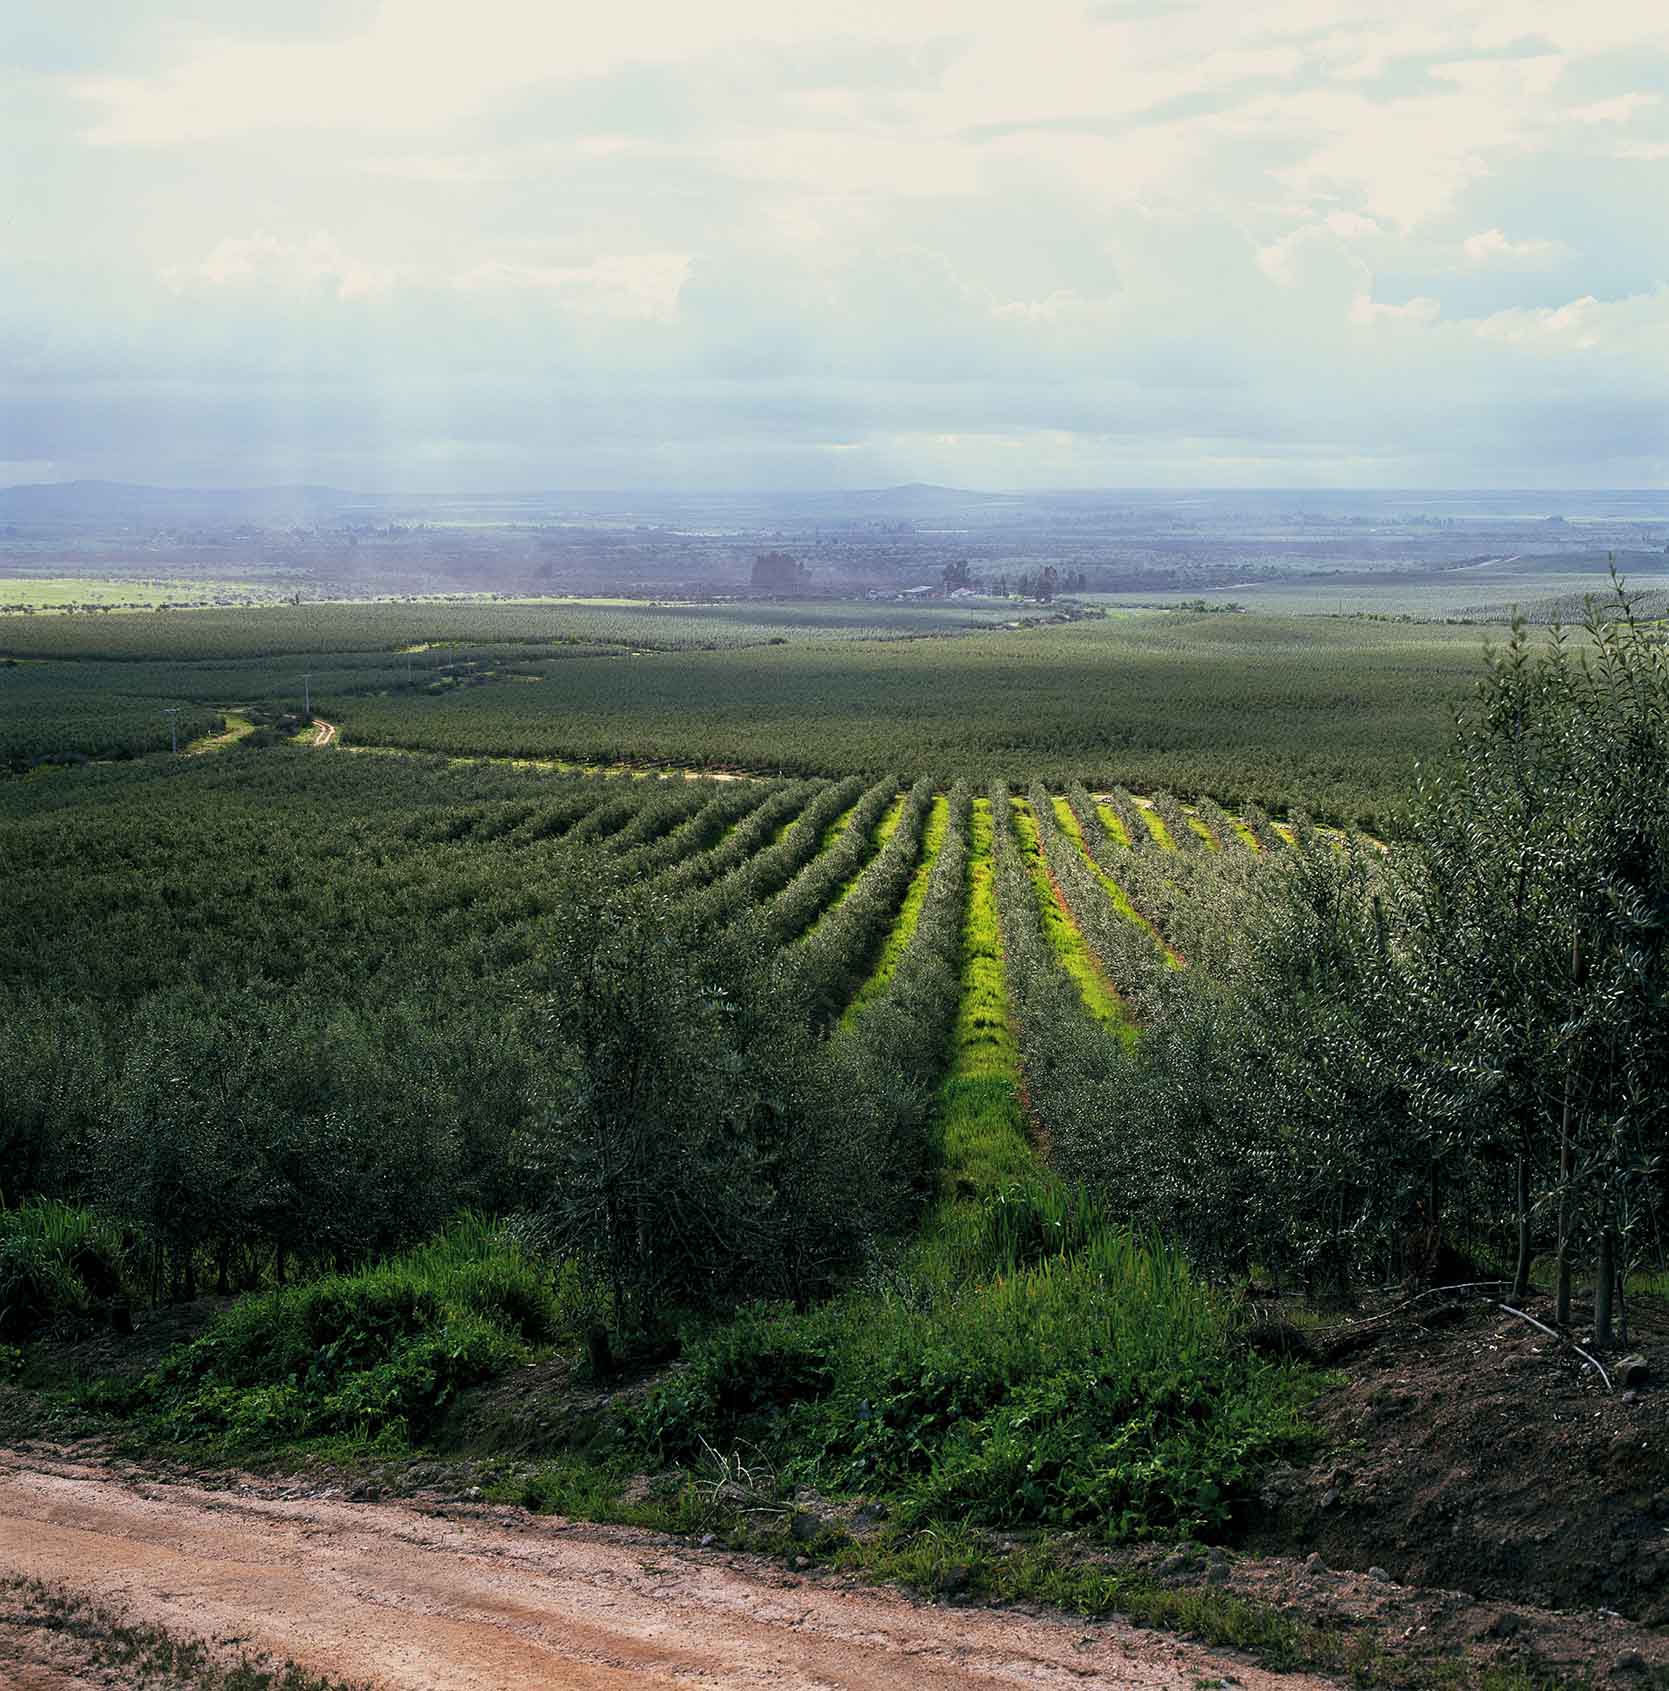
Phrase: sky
{"type": "Point", "coordinates": [425, 246]}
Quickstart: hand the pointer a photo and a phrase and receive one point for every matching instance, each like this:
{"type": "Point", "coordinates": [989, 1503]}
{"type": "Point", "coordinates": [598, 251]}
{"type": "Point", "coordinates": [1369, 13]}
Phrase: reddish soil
{"type": "Point", "coordinates": [473, 1597]}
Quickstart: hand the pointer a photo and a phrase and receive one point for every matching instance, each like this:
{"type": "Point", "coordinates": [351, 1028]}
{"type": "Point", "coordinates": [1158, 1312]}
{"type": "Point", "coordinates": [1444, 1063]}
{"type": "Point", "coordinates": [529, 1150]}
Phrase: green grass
{"type": "Point", "coordinates": [1156, 827]}
{"type": "Point", "coordinates": [909, 914]}
{"type": "Point", "coordinates": [1121, 902]}
{"type": "Point", "coordinates": [1064, 937]}
{"type": "Point", "coordinates": [979, 1132]}
{"type": "Point", "coordinates": [370, 1358]}
{"type": "Point", "coordinates": [1097, 1387]}
{"type": "Point", "coordinates": [1114, 824]}
{"type": "Point", "coordinates": [51, 1256]}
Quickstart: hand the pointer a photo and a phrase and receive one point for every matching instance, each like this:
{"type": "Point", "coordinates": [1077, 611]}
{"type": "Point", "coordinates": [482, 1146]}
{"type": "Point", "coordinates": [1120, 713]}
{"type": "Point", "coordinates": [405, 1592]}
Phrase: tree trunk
{"type": "Point", "coordinates": [1562, 1314]}
{"type": "Point", "coordinates": [1521, 1273]}
{"type": "Point", "coordinates": [1566, 1156]}
{"type": "Point", "coordinates": [1605, 1275]}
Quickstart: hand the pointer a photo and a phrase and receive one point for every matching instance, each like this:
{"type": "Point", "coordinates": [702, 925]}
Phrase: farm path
{"type": "Point", "coordinates": [478, 1597]}
{"type": "Point", "coordinates": [326, 731]}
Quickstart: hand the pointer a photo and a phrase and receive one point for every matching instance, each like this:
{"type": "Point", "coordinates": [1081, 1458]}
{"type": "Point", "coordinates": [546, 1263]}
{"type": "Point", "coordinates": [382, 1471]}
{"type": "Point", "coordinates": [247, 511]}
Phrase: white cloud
{"type": "Point", "coordinates": [238, 261]}
{"type": "Point", "coordinates": [1491, 245]}
{"type": "Point", "coordinates": [1571, 325]}
{"type": "Point", "coordinates": [642, 286]}
{"type": "Point", "coordinates": [1283, 260]}
{"type": "Point", "coordinates": [1367, 310]}
{"type": "Point", "coordinates": [1619, 109]}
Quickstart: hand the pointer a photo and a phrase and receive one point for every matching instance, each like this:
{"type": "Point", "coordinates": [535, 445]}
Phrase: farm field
{"type": "Point", "coordinates": [70, 593]}
{"type": "Point", "coordinates": [1283, 712]}
{"type": "Point", "coordinates": [423, 1092]}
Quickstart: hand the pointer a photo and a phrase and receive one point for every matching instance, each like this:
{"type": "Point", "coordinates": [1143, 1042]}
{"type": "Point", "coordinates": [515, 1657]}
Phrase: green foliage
{"type": "Point", "coordinates": [371, 1356]}
{"type": "Point", "coordinates": [56, 1263]}
{"type": "Point", "coordinates": [1373, 1060]}
{"type": "Point", "coordinates": [691, 1141]}
{"type": "Point", "coordinates": [1100, 1388]}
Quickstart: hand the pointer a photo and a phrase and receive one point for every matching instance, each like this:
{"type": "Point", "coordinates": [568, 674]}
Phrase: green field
{"type": "Point", "coordinates": [61, 593]}
{"type": "Point", "coordinates": [940, 1088]}
{"type": "Point", "coordinates": [1311, 713]}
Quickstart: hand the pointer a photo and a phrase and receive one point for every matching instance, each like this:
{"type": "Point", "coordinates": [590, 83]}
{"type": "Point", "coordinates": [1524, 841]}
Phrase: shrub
{"type": "Point", "coordinates": [1103, 1389]}
{"type": "Point", "coordinates": [56, 1264]}
{"type": "Point", "coordinates": [374, 1355]}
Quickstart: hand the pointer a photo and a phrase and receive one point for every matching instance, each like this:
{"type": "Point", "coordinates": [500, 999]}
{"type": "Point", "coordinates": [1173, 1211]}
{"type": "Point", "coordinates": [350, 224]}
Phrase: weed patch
{"type": "Point", "coordinates": [372, 1357]}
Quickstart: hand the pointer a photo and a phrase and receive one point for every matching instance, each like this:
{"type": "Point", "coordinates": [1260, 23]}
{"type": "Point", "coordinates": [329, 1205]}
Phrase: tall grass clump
{"type": "Point", "coordinates": [1101, 1387]}
{"type": "Point", "coordinates": [371, 1356]}
{"type": "Point", "coordinates": [57, 1263]}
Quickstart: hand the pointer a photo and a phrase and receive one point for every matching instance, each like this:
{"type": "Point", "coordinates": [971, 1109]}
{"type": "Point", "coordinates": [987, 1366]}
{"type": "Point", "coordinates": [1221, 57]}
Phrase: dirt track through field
{"type": "Point", "coordinates": [477, 1598]}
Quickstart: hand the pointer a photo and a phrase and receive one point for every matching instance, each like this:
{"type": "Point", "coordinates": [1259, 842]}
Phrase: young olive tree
{"type": "Point", "coordinates": [686, 1140]}
{"type": "Point", "coordinates": [1539, 932]}
{"type": "Point", "coordinates": [1468, 1036]}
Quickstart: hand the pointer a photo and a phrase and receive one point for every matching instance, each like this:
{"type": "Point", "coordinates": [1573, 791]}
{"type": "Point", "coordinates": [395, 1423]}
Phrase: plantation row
{"type": "Point", "coordinates": [1267, 712]}
{"type": "Point", "coordinates": [294, 1001]}
{"type": "Point", "coordinates": [323, 631]}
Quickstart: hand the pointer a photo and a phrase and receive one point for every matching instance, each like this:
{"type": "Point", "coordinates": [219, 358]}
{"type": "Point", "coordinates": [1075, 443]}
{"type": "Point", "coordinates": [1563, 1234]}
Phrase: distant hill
{"type": "Point", "coordinates": [118, 502]}
{"type": "Point", "coordinates": [112, 504]}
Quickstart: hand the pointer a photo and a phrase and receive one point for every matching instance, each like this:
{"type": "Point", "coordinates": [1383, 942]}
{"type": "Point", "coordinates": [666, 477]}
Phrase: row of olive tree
{"type": "Point", "coordinates": [1464, 1041]}
{"type": "Point", "coordinates": [656, 1103]}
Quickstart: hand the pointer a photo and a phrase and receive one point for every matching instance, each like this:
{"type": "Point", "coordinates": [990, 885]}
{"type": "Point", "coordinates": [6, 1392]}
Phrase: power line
{"type": "Point", "coordinates": [173, 715]}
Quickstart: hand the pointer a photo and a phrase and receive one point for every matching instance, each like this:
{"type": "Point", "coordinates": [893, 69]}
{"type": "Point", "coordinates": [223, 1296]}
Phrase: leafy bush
{"type": "Point", "coordinates": [1102, 1389]}
{"type": "Point", "coordinates": [375, 1355]}
{"type": "Point", "coordinates": [691, 1142]}
{"type": "Point", "coordinates": [56, 1262]}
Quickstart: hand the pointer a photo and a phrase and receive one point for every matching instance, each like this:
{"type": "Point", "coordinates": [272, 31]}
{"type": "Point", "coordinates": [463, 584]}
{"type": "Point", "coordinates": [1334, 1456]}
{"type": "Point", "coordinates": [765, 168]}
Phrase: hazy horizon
{"type": "Point", "coordinates": [1293, 245]}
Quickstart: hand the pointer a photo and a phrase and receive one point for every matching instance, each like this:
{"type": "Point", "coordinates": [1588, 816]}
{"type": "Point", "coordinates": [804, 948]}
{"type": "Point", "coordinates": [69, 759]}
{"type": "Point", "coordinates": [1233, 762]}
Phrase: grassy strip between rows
{"type": "Point", "coordinates": [1155, 825]}
{"type": "Point", "coordinates": [884, 831]}
{"type": "Point", "coordinates": [837, 827]}
{"type": "Point", "coordinates": [980, 1136]}
{"type": "Point", "coordinates": [1114, 824]}
{"type": "Point", "coordinates": [1121, 901]}
{"type": "Point", "coordinates": [1065, 938]}
{"type": "Point", "coordinates": [903, 930]}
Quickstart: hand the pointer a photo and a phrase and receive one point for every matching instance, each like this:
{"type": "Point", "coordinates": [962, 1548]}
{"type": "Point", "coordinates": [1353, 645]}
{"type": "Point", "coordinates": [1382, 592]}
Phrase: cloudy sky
{"type": "Point", "coordinates": [425, 245]}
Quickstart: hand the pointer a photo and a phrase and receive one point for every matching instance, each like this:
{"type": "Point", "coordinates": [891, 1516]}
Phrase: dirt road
{"type": "Point", "coordinates": [480, 1598]}
{"type": "Point", "coordinates": [326, 732]}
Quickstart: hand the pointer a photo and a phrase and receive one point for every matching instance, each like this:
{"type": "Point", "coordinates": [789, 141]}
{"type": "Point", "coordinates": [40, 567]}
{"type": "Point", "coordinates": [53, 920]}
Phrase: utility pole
{"type": "Point", "coordinates": [307, 696]}
{"type": "Point", "coordinates": [173, 716]}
